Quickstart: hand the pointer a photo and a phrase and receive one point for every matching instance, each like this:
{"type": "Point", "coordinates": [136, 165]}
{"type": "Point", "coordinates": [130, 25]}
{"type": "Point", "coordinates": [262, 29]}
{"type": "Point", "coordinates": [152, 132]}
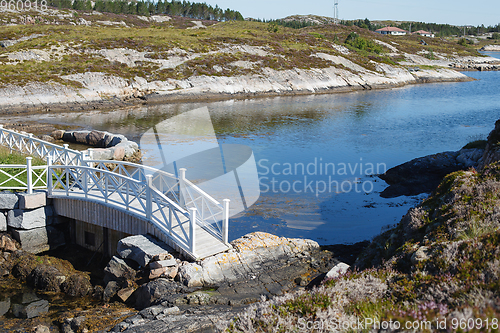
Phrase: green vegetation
{"type": "Point", "coordinates": [495, 35]}
{"type": "Point", "coordinates": [14, 158]}
{"type": "Point", "coordinates": [355, 41]}
{"type": "Point", "coordinates": [477, 144]}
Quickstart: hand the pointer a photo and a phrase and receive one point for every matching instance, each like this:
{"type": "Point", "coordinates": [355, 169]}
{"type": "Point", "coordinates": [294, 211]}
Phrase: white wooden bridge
{"type": "Point", "coordinates": [122, 196]}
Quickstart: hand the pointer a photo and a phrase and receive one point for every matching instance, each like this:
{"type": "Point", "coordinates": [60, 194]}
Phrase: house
{"type": "Point", "coordinates": [391, 31]}
{"type": "Point", "coordinates": [425, 33]}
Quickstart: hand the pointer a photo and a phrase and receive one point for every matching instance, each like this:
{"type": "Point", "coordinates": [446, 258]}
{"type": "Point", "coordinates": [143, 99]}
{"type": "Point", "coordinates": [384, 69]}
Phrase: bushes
{"type": "Point", "coordinates": [360, 43]}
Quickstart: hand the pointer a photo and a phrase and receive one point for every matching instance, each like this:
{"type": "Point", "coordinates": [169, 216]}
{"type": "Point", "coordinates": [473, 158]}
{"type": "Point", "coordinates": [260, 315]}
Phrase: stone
{"type": "Point", "coordinates": [8, 200]}
{"type": "Point", "coordinates": [162, 263]}
{"type": "Point", "coordinates": [156, 290]}
{"type": "Point", "coordinates": [118, 153]}
{"type": "Point", "coordinates": [81, 136]}
{"type": "Point", "coordinates": [118, 268]}
{"type": "Point", "coordinates": [28, 219]}
{"type": "Point", "coordinates": [41, 329]}
{"type": "Point", "coordinates": [77, 286]}
{"type": "Point", "coordinates": [3, 222]}
{"type": "Point", "coordinates": [156, 272]}
{"type": "Point", "coordinates": [32, 201]}
{"type": "Point", "coordinates": [7, 243]}
{"type": "Point", "coordinates": [171, 272]}
{"type": "Point", "coordinates": [46, 278]}
{"type": "Point", "coordinates": [31, 310]}
{"type": "Point", "coordinates": [57, 134]}
{"type": "Point", "coordinates": [141, 248]}
{"type": "Point", "coordinates": [337, 270]}
{"type": "Point", "coordinates": [4, 306]}
{"type": "Point", "coordinates": [68, 137]}
{"type": "Point", "coordinates": [111, 289]}
{"type": "Point", "coordinates": [47, 138]}
{"type": "Point", "coordinates": [96, 139]}
{"type": "Point", "coordinates": [39, 239]}
{"type": "Point", "coordinates": [102, 154]}
{"type": "Point", "coordinates": [124, 294]}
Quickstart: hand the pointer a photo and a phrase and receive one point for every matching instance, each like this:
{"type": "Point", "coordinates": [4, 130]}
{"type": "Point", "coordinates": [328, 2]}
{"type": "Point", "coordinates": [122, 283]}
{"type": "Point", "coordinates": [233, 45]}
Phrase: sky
{"type": "Point", "coordinates": [454, 12]}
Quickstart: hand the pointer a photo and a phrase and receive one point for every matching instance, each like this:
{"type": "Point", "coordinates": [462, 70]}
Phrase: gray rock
{"type": "Point", "coordinates": [3, 222]}
{"type": "Point", "coordinates": [118, 268]}
{"type": "Point", "coordinates": [31, 310]}
{"type": "Point", "coordinates": [39, 239]}
{"type": "Point", "coordinates": [57, 134]}
{"type": "Point", "coordinates": [81, 136]}
{"type": "Point", "coordinates": [156, 290]}
{"type": "Point", "coordinates": [68, 137]}
{"type": "Point", "coordinates": [4, 306]}
{"type": "Point", "coordinates": [7, 43]}
{"type": "Point", "coordinates": [102, 154]}
{"type": "Point", "coordinates": [142, 249]}
{"type": "Point", "coordinates": [28, 219]}
{"type": "Point", "coordinates": [337, 270]}
{"type": "Point", "coordinates": [96, 139]}
{"type": "Point", "coordinates": [8, 200]}
{"type": "Point", "coordinates": [162, 263]}
{"type": "Point", "coordinates": [420, 255]}
{"type": "Point", "coordinates": [110, 291]}
{"type": "Point", "coordinates": [32, 201]}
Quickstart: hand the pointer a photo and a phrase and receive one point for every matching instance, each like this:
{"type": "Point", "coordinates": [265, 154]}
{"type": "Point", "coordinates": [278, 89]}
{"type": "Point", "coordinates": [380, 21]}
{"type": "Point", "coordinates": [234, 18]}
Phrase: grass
{"type": "Point", "coordinates": [14, 158]}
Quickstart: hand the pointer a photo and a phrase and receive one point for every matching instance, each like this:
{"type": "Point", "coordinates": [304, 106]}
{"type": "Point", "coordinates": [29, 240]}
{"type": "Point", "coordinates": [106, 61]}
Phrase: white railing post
{"type": "Point", "coordinates": [29, 144]}
{"type": "Point", "coordinates": [149, 198]}
{"type": "Point", "coordinates": [29, 179]}
{"type": "Point", "coordinates": [225, 220]}
{"type": "Point", "coordinates": [192, 229]}
{"type": "Point", "coordinates": [91, 157]}
{"type": "Point", "coordinates": [49, 175]}
{"type": "Point", "coordinates": [85, 175]}
{"type": "Point", "coordinates": [182, 186]}
{"type": "Point", "coordinates": [66, 155]}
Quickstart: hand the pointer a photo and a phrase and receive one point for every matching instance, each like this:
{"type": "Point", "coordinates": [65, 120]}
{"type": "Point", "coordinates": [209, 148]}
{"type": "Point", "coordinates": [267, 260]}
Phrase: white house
{"type": "Point", "coordinates": [425, 33]}
{"type": "Point", "coordinates": [391, 31]}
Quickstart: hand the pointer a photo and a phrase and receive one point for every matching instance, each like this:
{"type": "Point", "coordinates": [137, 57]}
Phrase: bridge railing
{"type": "Point", "coordinates": [126, 193]}
{"type": "Point", "coordinates": [30, 145]}
{"type": "Point", "coordinates": [23, 176]}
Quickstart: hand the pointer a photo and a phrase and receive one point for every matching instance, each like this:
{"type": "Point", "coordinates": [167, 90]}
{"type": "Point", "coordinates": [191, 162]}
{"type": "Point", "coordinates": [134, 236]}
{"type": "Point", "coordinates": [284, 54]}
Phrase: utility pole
{"type": "Point", "coordinates": [336, 11]}
{"type": "Point", "coordinates": [410, 28]}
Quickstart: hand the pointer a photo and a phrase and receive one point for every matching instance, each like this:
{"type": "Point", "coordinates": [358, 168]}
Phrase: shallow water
{"type": "Point", "coordinates": [382, 128]}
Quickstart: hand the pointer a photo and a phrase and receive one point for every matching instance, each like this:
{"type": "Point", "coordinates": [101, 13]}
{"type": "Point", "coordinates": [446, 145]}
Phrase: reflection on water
{"type": "Point", "coordinates": [385, 127]}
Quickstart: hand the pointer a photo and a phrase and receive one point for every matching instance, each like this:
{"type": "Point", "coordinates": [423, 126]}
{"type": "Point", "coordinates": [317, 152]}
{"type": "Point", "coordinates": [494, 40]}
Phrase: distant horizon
{"type": "Point", "coordinates": [445, 12]}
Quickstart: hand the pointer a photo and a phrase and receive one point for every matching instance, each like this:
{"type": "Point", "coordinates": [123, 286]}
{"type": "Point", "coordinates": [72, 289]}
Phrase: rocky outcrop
{"type": "Point", "coordinates": [491, 48]}
{"type": "Point", "coordinates": [492, 150]}
{"type": "Point", "coordinates": [423, 174]}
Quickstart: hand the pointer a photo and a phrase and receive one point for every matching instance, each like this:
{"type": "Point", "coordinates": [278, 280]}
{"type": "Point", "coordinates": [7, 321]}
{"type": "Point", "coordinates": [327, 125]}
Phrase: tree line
{"type": "Point", "coordinates": [195, 10]}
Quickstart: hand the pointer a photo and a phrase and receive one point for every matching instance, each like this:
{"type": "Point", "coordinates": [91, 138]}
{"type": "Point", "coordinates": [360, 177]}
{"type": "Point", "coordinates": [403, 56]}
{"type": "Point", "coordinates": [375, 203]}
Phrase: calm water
{"type": "Point", "coordinates": [361, 129]}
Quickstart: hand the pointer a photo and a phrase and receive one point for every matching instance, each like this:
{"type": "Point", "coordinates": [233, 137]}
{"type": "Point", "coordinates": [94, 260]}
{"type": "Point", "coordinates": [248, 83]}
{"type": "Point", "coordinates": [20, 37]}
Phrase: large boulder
{"type": "Point", "coordinates": [77, 286]}
{"type": "Point", "coordinates": [251, 255]}
{"type": "Point", "coordinates": [156, 290]}
{"type": "Point", "coordinates": [142, 249]}
{"type": "Point", "coordinates": [33, 200]}
{"type": "Point", "coordinates": [29, 219]}
{"type": "Point", "coordinates": [8, 200]}
{"type": "Point", "coordinates": [39, 239]}
{"type": "Point", "coordinates": [31, 310]}
{"type": "Point", "coordinates": [46, 278]}
{"type": "Point", "coordinates": [119, 268]}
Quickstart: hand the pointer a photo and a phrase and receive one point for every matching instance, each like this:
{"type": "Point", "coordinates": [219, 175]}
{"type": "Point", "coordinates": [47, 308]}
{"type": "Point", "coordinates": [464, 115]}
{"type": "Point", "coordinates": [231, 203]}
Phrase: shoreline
{"type": "Point", "coordinates": [180, 96]}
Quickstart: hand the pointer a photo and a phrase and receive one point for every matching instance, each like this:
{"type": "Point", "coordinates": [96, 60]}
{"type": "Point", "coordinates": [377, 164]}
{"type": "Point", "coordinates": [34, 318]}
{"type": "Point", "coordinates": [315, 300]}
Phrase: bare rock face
{"type": "Point", "coordinates": [492, 151]}
{"type": "Point", "coordinates": [250, 255]}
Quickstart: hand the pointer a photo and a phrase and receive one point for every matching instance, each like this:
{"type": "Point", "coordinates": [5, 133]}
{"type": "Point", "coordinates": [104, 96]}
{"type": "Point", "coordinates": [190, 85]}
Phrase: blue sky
{"type": "Point", "coordinates": [456, 12]}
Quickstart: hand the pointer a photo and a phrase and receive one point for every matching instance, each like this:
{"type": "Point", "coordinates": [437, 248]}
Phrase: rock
{"type": "Point", "coordinates": [118, 153]}
{"type": "Point", "coordinates": [28, 219]}
{"type": "Point", "coordinates": [420, 255]}
{"type": "Point", "coordinates": [142, 249]}
{"type": "Point", "coordinates": [162, 263]}
{"type": "Point", "coordinates": [7, 243]}
{"type": "Point", "coordinates": [96, 139]}
{"type": "Point", "coordinates": [30, 310]}
{"type": "Point", "coordinates": [46, 278]}
{"type": "Point", "coordinates": [3, 222]}
{"type": "Point", "coordinates": [156, 272]}
{"type": "Point", "coordinates": [77, 286]}
{"type": "Point", "coordinates": [118, 268]}
{"type": "Point", "coordinates": [171, 272]}
{"type": "Point", "coordinates": [111, 289]}
{"type": "Point", "coordinates": [32, 201]}
{"type": "Point", "coordinates": [102, 154]}
{"type": "Point", "coordinates": [68, 137]}
{"type": "Point", "coordinates": [252, 254]}
{"type": "Point", "coordinates": [156, 290]}
{"type": "Point", "coordinates": [57, 134]}
{"type": "Point", "coordinates": [337, 270]}
{"type": "Point", "coordinates": [81, 136]}
{"type": "Point", "coordinates": [72, 325]}
{"type": "Point", "coordinates": [41, 329]}
{"type": "Point", "coordinates": [8, 200]}
{"type": "Point", "coordinates": [4, 306]}
{"type": "Point", "coordinates": [39, 239]}
{"type": "Point", "coordinates": [124, 294]}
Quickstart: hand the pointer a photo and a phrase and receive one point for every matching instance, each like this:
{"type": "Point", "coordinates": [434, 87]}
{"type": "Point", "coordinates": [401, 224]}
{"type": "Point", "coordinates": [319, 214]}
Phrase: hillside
{"type": "Point", "coordinates": [78, 60]}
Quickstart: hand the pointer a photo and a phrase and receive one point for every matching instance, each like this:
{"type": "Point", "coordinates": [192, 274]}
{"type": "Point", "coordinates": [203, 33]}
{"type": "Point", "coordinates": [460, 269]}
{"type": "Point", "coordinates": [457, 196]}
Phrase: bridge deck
{"type": "Point", "coordinates": [205, 243]}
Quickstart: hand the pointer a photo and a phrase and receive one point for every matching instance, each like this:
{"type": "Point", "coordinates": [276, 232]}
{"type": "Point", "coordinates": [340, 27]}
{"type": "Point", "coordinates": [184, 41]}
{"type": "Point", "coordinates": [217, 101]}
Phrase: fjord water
{"type": "Point", "coordinates": [359, 129]}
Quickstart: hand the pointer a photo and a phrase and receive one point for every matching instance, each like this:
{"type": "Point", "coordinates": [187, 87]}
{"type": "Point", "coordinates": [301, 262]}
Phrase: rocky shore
{"type": "Point", "coordinates": [491, 48]}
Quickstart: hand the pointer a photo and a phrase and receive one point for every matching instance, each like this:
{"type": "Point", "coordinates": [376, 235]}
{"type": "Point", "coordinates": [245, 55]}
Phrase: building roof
{"type": "Point", "coordinates": [422, 32]}
{"type": "Point", "coordinates": [391, 29]}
